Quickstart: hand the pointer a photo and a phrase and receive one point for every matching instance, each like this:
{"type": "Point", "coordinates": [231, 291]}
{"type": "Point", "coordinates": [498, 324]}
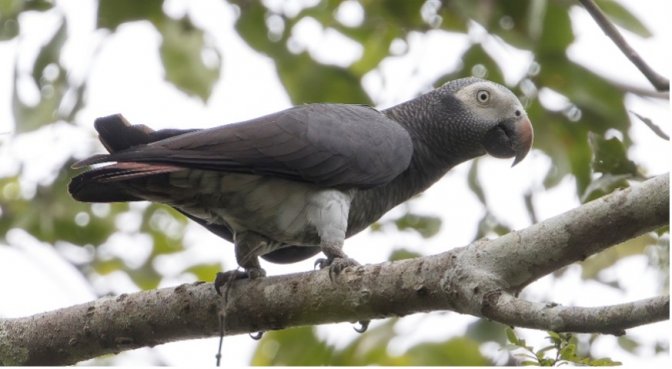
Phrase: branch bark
{"type": "Point", "coordinates": [479, 279]}
{"type": "Point", "coordinates": [659, 82]}
{"type": "Point", "coordinates": [603, 319]}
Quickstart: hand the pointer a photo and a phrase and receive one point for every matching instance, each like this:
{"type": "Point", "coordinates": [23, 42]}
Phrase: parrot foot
{"type": "Point", "coordinates": [224, 279]}
{"type": "Point", "coordinates": [336, 265]}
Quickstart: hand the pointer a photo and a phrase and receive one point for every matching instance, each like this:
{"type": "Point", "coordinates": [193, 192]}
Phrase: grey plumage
{"type": "Point", "coordinates": [289, 184]}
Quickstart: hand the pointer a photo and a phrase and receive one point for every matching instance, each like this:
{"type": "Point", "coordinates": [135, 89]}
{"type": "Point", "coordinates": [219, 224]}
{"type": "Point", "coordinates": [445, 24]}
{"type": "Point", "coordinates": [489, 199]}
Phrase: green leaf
{"type": "Point", "coordinates": [484, 330]}
{"type": "Point", "coordinates": [294, 346]}
{"type": "Point", "coordinates": [146, 277]}
{"type": "Point", "coordinates": [628, 344]}
{"type": "Point", "coordinates": [594, 105]}
{"type": "Point", "coordinates": [251, 26]}
{"type": "Point", "coordinates": [513, 21]}
{"type": "Point", "coordinates": [458, 351]}
{"type": "Point", "coordinates": [108, 266]}
{"type": "Point", "coordinates": [555, 338]}
{"type": "Point", "coordinates": [604, 362]}
{"type": "Point", "coordinates": [9, 25]}
{"type": "Point", "coordinates": [376, 47]}
{"type": "Point", "coordinates": [406, 13]}
{"type": "Point", "coordinates": [50, 215]}
{"type": "Point", "coordinates": [182, 53]}
{"type": "Point", "coordinates": [610, 156]}
{"type": "Point", "coordinates": [50, 53]}
{"type": "Point", "coordinates": [204, 272]}
{"type": "Point", "coordinates": [557, 33]}
{"type": "Point", "coordinates": [401, 254]}
{"type": "Point", "coordinates": [112, 13]}
{"type": "Point", "coordinates": [308, 81]}
{"type": "Point", "coordinates": [605, 184]}
{"type": "Point", "coordinates": [426, 226]}
{"type": "Point", "coordinates": [166, 227]}
{"type": "Point", "coordinates": [10, 11]}
{"type": "Point", "coordinates": [559, 141]}
{"type": "Point", "coordinates": [29, 117]}
{"type": "Point", "coordinates": [490, 224]}
{"type": "Point", "coordinates": [511, 336]}
{"type": "Point", "coordinates": [542, 350]}
{"type": "Point", "coordinates": [621, 16]}
{"type": "Point", "coordinates": [568, 352]}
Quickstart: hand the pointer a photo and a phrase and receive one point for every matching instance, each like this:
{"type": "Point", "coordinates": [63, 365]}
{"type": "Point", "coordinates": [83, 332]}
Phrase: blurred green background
{"type": "Point", "coordinates": [587, 138]}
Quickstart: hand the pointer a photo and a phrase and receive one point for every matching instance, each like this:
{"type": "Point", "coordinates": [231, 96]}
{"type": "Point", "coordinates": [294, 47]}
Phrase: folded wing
{"type": "Point", "coordinates": [329, 145]}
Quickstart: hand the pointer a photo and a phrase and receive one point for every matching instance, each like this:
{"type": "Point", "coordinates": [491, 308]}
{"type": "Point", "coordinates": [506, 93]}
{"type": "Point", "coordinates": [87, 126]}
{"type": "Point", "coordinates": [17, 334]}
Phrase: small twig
{"type": "Point", "coordinates": [653, 126]}
{"type": "Point", "coordinates": [529, 205]}
{"type": "Point", "coordinates": [641, 91]}
{"type": "Point", "coordinates": [659, 82]}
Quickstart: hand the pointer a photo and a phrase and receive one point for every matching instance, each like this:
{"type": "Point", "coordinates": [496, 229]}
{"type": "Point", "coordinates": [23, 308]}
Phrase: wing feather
{"type": "Point", "coordinates": [325, 144]}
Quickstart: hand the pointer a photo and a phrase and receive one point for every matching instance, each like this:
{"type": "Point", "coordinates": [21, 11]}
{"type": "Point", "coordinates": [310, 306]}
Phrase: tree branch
{"type": "Point", "coordinates": [477, 279]}
{"type": "Point", "coordinates": [614, 319]}
{"type": "Point", "coordinates": [574, 235]}
{"type": "Point", "coordinates": [659, 82]}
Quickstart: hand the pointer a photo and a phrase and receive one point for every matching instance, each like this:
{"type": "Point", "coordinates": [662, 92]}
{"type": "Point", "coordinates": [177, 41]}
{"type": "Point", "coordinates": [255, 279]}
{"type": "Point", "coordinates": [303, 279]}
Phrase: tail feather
{"type": "Point", "coordinates": [106, 184]}
{"type": "Point", "coordinates": [86, 188]}
{"type": "Point", "coordinates": [109, 183]}
{"type": "Point", "coordinates": [116, 133]}
{"type": "Point", "coordinates": [127, 171]}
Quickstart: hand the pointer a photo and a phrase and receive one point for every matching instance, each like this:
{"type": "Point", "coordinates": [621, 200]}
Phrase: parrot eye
{"type": "Point", "coordinates": [483, 96]}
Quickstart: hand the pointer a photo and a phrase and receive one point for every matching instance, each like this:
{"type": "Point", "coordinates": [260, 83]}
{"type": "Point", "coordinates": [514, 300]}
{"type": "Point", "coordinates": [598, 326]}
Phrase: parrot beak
{"type": "Point", "coordinates": [512, 138]}
{"type": "Point", "coordinates": [522, 139]}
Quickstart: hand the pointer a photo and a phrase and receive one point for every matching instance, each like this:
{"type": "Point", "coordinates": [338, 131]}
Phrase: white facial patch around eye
{"type": "Point", "coordinates": [500, 102]}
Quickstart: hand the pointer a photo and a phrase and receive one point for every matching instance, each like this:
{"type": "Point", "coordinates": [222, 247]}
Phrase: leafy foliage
{"type": "Point", "coordinates": [181, 53]}
{"type": "Point", "coordinates": [563, 345]}
{"type": "Point", "coordinates": [301, 346]}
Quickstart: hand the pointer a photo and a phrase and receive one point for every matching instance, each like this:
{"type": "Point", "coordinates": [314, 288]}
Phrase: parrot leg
{"type": "Point", "coordinates": [335, 259]}
{"type": "Point", "coordinates": [248, 245]}
{"type": "Point", "coordinates": [331, 221]}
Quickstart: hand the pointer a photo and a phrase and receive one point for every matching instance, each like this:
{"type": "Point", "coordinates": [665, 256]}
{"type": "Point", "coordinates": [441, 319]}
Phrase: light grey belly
{"type": "Point", "coordinates": [286, 211]}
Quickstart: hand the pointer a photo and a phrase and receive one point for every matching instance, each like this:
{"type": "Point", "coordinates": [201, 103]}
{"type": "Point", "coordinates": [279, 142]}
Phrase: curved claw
{"type": "Point", "coordinates": [339, 264]}
{"type": "Point", "coordinates": [363, 326]}
{"type": "Point", "coordinates": [336, 265]}
{"type": "Point", "coordinates": [224, 278]}
{"type": "Point", "coordinates": [257, 335]}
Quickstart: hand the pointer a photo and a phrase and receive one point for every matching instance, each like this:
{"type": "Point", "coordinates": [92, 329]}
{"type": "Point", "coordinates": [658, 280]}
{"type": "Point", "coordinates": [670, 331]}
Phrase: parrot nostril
{"type": "Point", "coordinates": [518, 113]}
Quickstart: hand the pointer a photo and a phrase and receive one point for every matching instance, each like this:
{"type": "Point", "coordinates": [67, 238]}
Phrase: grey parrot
{"type": "Point", "coordinates": [288, 185]}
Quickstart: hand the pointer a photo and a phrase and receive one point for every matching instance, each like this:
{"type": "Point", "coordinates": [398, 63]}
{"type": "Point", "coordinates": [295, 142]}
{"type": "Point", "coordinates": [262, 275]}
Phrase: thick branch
{"type": "Point", "coordinates": [109, 325]}
{"type": "Point", "coordinates": [463, 280]}
{"type": "Point", "coordinates": [659, 82]}
{"type": "Point", "coordinates": [573, 236]}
